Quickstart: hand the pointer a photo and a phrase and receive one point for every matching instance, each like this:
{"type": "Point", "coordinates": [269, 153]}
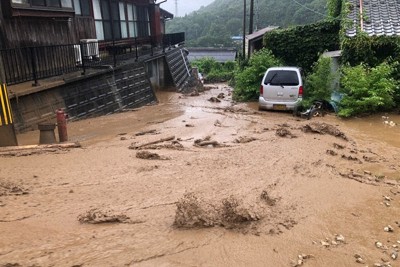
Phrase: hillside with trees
{"type": "Point", "coordinates": [215, 24]}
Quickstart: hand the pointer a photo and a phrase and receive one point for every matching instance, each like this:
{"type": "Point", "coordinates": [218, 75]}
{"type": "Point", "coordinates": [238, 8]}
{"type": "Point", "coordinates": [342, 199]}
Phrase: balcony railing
{"type": "Point", "coordinates": [35, 63]}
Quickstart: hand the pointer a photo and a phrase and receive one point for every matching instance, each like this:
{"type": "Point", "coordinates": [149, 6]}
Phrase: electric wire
{"type": "Point", "coordinates": [315, 11]}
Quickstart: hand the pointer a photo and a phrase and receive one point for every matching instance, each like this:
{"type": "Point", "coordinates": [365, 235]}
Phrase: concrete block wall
{"type": "Point", "coordinates": [103, 93]}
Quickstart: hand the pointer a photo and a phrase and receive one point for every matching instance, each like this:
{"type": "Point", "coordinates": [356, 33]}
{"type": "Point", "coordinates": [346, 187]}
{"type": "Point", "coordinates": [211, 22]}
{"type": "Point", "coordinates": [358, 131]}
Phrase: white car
{"type": "Point", "coordinates": [281, 89]}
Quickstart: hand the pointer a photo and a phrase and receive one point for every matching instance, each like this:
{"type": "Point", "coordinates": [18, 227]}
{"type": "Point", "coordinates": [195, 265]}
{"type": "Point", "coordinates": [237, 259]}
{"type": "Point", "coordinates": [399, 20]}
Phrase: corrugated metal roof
{"type": "Point", "coordinates": [380, 17]}
{"type": "Point", "coordinates": [221, 55]}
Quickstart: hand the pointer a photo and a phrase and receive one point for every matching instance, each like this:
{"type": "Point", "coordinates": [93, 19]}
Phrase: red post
{"type": "Point", "coordinates": [62, 125]}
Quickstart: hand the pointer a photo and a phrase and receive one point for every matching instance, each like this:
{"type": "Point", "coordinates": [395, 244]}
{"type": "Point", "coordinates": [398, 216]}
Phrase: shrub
{"type": "Point", "coordinates": [318, 84]}
{"type": "Point", "coordinates": [248, 80]}
{"type": "Point", "coordinates": [366, 89]}
{"type": "Point", "coordinates": [215, 71]}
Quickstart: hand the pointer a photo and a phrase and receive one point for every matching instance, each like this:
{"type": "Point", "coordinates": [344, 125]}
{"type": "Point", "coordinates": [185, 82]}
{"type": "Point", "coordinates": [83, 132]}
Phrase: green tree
{"type": "Point", "coordinates": [248, 80]}
{"type": "Point", "coordinates": [318, 84]}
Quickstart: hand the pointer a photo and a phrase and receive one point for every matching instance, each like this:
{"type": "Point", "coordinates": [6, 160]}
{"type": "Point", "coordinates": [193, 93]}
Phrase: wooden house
{"type": "Point", "coordinates": [88, 57]}
{"type": "Point", "coordinates": [61, 22]}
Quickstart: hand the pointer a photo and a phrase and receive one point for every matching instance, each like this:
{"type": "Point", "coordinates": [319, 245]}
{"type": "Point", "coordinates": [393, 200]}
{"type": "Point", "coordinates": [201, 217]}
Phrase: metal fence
{"type": "Point", "coordinates": [34, 63]}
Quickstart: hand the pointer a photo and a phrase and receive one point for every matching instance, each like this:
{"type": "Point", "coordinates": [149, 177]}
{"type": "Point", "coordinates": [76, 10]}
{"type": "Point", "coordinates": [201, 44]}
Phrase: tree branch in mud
{"type": "Point", "coordinates": [16, 220]}
{"type": "Point", "coordinates": [154, 131]}
{"type": "Point", "coordinates": [170, 138]}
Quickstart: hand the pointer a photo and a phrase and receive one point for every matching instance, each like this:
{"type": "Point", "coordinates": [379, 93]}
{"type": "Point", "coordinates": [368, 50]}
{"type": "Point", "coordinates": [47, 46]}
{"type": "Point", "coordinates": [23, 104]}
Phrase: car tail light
{"type": "Point", "coordinates": [301, 91]}
{"type": "Point", "coordinates": [261, 90]}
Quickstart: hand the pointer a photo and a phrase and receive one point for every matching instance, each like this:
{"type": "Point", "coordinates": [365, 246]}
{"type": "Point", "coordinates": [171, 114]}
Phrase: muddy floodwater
{"type": "Point", "coordinates": [199, 180]}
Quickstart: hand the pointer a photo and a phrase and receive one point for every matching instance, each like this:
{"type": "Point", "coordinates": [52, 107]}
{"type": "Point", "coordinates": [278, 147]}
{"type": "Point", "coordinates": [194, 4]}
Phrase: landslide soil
{"type": "Point", "coordinates": [234, 187]}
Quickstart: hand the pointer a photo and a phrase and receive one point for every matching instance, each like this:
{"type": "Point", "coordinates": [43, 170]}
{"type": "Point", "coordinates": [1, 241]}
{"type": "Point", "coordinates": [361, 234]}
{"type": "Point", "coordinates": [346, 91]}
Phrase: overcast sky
{"type": "Point", "coordinates": [184, 6]}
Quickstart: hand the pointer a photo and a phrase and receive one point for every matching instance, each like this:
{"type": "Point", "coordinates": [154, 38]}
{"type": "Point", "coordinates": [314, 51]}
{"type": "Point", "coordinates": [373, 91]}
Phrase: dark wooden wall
{"type": "Point", "coordinates": [37, 31]}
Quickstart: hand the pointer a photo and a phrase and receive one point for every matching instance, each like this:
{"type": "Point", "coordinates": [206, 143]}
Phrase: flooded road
{"type": "Point", "coordinates": [210, 184]}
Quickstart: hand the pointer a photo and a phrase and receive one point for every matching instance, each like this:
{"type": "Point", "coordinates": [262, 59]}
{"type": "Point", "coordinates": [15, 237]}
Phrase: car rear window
{"type": "Point", "coordinates": [282, 77]}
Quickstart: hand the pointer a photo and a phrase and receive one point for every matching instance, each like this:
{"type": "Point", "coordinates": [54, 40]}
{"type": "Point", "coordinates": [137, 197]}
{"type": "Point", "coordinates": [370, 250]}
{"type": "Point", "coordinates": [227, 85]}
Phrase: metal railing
{"type": "Point", "coordinates": [40, 62]}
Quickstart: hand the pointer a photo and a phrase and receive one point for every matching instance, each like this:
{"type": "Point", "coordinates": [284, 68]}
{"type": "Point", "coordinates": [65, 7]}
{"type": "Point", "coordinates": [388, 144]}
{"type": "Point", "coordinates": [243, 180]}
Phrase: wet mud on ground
{"type": "Point", "coordinates": [194, 182]}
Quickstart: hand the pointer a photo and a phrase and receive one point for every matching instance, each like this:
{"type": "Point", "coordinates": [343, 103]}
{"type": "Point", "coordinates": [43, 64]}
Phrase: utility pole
{"type": "Point", "coordinates": [244, 29]}
{"type": "Point", "coordinates": [176, 8]}
{"type": "Point", "coordinates": [251, 23]}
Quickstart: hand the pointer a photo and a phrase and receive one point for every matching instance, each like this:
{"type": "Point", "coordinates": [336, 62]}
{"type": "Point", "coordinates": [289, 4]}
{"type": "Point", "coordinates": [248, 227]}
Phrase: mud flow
{"type": "Point", "coordinates": [201, 180]}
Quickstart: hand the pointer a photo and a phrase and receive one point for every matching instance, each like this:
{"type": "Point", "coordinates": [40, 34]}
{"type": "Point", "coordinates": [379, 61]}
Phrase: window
{"type": "Point", "coordinates": [143, 21]}
{"type": "Point", "coordinates": [51, 4]}
{"type": "Point", "coordinates": [282, 77]}
{"type": "Point", "coordinates": [124, 27]}
{"type": "Point", "coordinates": [127, 20]}
{"type": "Point", "coordinates": [131, 20]}
{"type": "Point", "coordinates": [82, 7]}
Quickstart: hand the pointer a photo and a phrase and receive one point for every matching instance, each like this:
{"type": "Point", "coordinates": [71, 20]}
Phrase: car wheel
{"type": "Point", "coordinates": [316, 112]}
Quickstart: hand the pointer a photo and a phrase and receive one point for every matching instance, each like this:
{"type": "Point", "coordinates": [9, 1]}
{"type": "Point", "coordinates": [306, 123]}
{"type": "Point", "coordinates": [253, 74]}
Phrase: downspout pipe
{"type": "Point", "coordinates": [361, 16]}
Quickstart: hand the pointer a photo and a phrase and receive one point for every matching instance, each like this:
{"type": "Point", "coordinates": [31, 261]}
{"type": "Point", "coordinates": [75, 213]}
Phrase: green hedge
{"type": "Point", "coordinates": [302, 45]}
{"type": "Point", "coordinates": [371, 50]}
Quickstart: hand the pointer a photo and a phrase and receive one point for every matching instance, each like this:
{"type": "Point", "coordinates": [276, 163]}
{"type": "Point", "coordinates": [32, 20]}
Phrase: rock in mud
{"type": "Point", "coordinates": [301, 259]}
{"type": "Point", "coordinates": [221, 96]}
{"type": "Point", "coordinates": [324, 128]}
{"type": "Point", "coordinates": [284, 132]}
{"type": "Point", "coordinates": [339, 238]}
{"type": "Point", "coordinates": [267, 198]}
{"type": "Point", "coordinates": [331, 152]}
{"type": "Point", "coordinates": [214, 100]}
{"type": "Point", "coordinates": [96, 216]}
{"type": "Point", "coordinates": [194, 93]}
{"type": "Point", "coordinates": [338, 146]}
{"type": "Point", "coordinates": [388, 229]}
{"type": "Point", "coordinates": [359, 259]}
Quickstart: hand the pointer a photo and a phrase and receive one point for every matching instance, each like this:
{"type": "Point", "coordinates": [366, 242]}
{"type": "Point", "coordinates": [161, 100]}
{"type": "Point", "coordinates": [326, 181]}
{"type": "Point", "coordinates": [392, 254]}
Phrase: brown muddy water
{"type": "Point", "coordinates": [257, 198]}
{"type": "Point", "coordinates": [382, 127]}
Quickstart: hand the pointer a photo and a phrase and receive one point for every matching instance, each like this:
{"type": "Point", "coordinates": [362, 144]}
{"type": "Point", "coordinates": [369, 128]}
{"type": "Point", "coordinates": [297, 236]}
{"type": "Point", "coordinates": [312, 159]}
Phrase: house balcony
{"type": "Point", "coordinates": [26, 64]}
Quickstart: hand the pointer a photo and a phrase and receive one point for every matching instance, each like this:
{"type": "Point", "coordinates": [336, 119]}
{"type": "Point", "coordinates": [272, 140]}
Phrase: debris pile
{"type": "Point", "coordinates": [192, 212]}
{"type": "Point", "coordinates": [231, 212]}
{"type": "Point", "coordinates": [96, 216]}
{"type": "Point", "coordinates": [324, 128]}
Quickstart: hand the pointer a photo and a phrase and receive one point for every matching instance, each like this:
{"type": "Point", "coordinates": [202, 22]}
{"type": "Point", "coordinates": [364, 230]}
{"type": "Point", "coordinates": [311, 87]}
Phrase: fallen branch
{"type": "Point", "coordinates": [207, 143]}
{"type": "Point", "coordinates": [34, 147]}
{"type": "Point", "coordinates": [170, 138]}
{"type": "Point", "coordinates": [15, 220]}
{"type": "Point", "coordinates": [146, 132]}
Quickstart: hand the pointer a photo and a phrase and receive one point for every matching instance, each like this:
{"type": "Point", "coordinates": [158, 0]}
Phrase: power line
{"type": "Point", "coordinates": [315, 11]}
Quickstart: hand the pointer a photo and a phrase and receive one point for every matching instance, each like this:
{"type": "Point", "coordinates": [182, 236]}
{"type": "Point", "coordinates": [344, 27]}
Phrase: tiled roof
{"type": "Point", "coordinates": [380, 17]}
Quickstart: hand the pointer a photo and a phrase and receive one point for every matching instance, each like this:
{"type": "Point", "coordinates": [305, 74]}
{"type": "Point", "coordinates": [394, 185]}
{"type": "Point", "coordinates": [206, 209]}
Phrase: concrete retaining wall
{"type": "Point", "coordinates": [102, 93]}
